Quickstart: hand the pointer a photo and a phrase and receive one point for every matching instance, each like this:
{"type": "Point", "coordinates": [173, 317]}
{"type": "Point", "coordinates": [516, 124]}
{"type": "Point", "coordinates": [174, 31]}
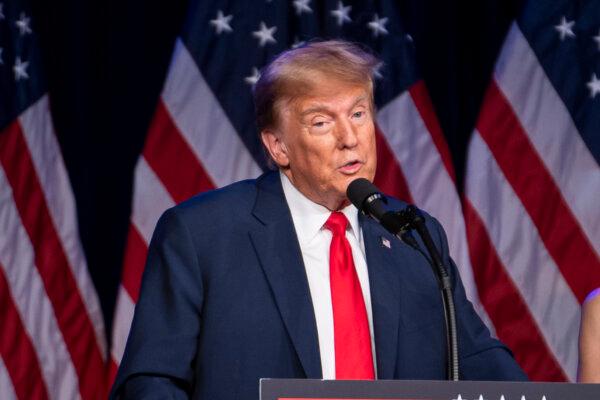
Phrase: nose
{"type": "Point", "coordinates": [347, 134]}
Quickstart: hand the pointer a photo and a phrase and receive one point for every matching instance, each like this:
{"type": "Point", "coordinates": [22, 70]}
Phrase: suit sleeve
{"type": "Point", "coordinates": [162, 344]}
{"type": "Point", "coordinates": [481, 357]}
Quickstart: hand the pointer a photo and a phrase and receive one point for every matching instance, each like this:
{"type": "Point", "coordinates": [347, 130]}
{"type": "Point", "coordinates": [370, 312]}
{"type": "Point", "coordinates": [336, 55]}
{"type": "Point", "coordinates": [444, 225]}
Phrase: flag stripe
{"type": "Point", "coordinates": [46, 156]}
{"type": "Point", "coordinates": [172, 160]}
{"type": "Point", "coordinates": [512, 319]}
{"type": "Point", "coordinates": [35, 310]}
{"type": "Point", "coordinates": [17, 350]}
{"type": "Point", "coordinates": [389, 177]}
{"type": "Point", "coordinates": [422, 102]}
{"type": "Point", "coordinates": [144, 213]}
{"type": "Point", "coordinates": [51, 261]}
{"type": "Point", "coordinates": [135, 260]}
{"type": "Point", "coordinates": [559, 230]}
{"type": "Point", "coordinates": [552, 132]}
{"type": "Point", "coordinates": [517, 242]}
{"type": "Point", "coordinates": [200, 119]}
{"type": "Point", "coordinates": [124, 315]}
{"type": "Point", "coordinates": [8, 391]}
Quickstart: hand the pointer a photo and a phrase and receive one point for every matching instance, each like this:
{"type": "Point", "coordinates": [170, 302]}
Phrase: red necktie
{"type": "Point", "coordinates": [353, 356]}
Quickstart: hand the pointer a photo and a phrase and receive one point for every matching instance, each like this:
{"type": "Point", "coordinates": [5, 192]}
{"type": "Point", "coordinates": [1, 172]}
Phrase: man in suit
{"type": "Point", "coordinates": [280, 277]}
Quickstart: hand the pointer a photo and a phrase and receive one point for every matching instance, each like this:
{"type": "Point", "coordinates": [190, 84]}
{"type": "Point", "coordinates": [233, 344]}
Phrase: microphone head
{"type": "Point", "coordinates": [360, 190]}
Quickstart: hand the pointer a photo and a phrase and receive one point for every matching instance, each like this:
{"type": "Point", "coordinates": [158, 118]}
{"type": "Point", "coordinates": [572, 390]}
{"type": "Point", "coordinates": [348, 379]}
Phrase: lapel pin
{"type": "Point", "coordinates": [386, 243]}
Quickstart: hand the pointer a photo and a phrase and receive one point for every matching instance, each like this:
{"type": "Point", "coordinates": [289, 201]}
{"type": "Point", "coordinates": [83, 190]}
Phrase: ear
{"type": "Point", "coordinates": [277, 149]}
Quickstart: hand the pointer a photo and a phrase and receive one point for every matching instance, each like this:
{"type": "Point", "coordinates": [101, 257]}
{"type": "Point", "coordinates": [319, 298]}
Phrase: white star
{"type": "Point", "coordinates": [377, 71]}
{"type": "Point", "coordinates": [341, 14]}
{"type": "Point", "coordinates": [302, 6]}
{"type": "Point", "coordinates": [378, 25]}
{"type": "Point", "coordinates": [20, 69]}
{"type": "Point", "coordinates": [594, 86]}
{"type": "Point", "coordinates": [480, 397]}
{"type": "Point", "coordinates": [297, 43]}
{"type": "Point", "coordinates": [23, 24]}
{"type": "Point", "coordinates": [597, 39]}
{"type": "Point", "coordinates": [565, 28]}
{"type": "Point", "coordinates": [2, 11]}
{"type": "Point", "coordinates": [252, 79]}
{"type": "Point", "coordinates": [221, 23]}
{"type": "Point", "coordinates": [459, 398]}
{"type": "Point", "coordinates": [264, 34]}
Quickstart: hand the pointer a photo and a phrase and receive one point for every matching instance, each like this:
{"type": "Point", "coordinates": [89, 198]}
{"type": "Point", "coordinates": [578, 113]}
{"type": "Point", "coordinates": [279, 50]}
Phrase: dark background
{"type": "Point", "coordinates": [106, 62]}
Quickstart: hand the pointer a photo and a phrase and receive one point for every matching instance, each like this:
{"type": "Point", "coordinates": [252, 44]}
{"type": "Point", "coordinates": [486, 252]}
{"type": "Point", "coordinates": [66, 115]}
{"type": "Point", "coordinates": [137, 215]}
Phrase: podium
{"type": "Point", "coordinates": [315, 389]}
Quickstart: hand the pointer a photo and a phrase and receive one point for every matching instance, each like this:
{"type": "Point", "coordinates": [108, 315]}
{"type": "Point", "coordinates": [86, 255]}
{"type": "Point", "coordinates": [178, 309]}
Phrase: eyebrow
{"type": "Point", "coordinates": [321, 108]}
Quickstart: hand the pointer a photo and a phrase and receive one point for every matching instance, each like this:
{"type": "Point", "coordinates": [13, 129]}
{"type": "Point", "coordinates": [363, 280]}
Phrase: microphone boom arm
{"type": "Point", "coordinates": [411, 218]}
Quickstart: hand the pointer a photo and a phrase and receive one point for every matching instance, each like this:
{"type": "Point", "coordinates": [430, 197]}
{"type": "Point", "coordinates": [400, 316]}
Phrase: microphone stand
{"type": "Point", "coordinates": [411, 218]}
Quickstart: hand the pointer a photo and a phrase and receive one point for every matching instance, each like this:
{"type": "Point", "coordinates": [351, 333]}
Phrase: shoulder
{"type": "Point", "coordinates": [211, 210]}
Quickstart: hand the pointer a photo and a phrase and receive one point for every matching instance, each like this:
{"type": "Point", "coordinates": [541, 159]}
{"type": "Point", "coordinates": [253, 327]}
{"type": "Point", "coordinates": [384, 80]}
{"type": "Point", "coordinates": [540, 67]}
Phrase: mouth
{"type": "Point", "coordinates": [351, 167]}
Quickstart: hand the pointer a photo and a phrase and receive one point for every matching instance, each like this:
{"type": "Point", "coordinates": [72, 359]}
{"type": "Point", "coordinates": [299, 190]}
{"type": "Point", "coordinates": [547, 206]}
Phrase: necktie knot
{"type": "Point", "coordinates": [337, 223]}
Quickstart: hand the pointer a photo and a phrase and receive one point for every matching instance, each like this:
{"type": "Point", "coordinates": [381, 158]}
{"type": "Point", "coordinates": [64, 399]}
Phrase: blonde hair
{"type": "Point", "coordinates": [294, 73]}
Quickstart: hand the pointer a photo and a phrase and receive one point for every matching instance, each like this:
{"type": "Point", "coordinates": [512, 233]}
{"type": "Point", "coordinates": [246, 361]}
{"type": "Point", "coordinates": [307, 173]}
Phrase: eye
{"type": "Point", "coordinates": [358, 114]}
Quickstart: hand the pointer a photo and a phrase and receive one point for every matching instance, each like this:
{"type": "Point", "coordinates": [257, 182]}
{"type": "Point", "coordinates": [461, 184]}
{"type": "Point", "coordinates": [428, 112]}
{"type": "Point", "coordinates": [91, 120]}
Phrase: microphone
{"type": "Point", "coordinates": [369, 200]}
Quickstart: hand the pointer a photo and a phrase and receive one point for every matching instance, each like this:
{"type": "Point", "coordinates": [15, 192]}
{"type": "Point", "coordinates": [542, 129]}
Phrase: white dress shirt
{"type": "Point", "coordinates": [314, 239]}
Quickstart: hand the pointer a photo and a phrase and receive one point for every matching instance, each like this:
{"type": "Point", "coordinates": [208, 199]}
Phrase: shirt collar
{"type": "Point", "coordinates": [308, 216]}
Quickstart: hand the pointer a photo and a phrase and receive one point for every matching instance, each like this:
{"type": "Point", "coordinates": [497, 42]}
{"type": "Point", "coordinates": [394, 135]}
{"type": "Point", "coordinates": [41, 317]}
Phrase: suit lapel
{"type": "Point", "coordinates": [277, 247]}
{"type": "Point", "coordinates": [382, 262]}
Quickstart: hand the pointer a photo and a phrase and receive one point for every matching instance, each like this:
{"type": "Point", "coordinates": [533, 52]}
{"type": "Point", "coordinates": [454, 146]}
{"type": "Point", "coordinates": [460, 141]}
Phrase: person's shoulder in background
{"type": "Point", "coordinates": [589, 340]}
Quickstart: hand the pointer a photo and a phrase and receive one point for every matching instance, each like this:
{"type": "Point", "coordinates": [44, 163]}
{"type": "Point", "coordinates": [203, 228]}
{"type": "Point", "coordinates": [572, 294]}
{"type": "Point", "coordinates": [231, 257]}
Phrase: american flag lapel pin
{"type": "Point", "coordinates": [386, 243]}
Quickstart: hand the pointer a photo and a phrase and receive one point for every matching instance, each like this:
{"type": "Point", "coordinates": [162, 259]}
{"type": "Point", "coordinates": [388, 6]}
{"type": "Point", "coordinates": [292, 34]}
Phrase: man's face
{"type": "Point", "coordinates": [325, 140]}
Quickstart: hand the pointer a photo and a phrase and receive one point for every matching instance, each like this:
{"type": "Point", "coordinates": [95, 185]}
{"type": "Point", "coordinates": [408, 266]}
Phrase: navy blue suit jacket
{"type": "Point", "coordinates": [225, 301]}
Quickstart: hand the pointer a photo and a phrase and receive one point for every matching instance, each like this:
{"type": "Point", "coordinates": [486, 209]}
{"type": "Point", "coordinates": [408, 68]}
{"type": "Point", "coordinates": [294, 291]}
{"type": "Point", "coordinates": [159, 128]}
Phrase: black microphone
{"type": "Point", "coordinates": [369, 200]}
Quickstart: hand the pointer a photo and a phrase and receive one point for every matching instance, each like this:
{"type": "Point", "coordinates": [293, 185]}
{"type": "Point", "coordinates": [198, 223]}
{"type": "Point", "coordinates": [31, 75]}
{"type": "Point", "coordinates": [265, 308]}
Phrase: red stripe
{"type": "Point", "coordinates": [172, 159]}
{"type": "Point", "coordinates": [389, 177]}
{"type": "Point", "coordinates": [134, 262]}
{"type": "Point", "coordinates": [51, 262]}
{"type": "Point", "coordinates": [421, 99]}
{"type": "Point", "coordinates": [17, 350]}
{"type": "Point", "coordinates": [111, 375]}
{"type": "Point", "coordinates": [525, 171]}
{"type": "Point", "coordinates": [508, 311]}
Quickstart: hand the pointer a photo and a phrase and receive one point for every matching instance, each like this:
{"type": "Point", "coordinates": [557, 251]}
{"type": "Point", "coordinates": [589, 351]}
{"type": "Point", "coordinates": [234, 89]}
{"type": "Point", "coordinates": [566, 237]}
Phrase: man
{"type": "Point", "coordinates": [280, 277]}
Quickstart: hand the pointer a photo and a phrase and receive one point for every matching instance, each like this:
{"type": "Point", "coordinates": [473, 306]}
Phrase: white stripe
{"type": "Point", "coordinates": [7, 391]}
{"type": "Point", "coordinates": [150, 199]}
{"type": "Point", "coordinates": [123, 318]}
{"type": "Point", "coordinates": [551, 130]}
{"type": "Point", "coordinates": [49, 167]}
{"type": "Point", "coordinates": [34, 307]}
{"type": "Point", "coordinates": [203, 123]}
{"type": "Point", "coordinates": [431, 186]}
{"type": "Point", "coordinates": [553, 305]}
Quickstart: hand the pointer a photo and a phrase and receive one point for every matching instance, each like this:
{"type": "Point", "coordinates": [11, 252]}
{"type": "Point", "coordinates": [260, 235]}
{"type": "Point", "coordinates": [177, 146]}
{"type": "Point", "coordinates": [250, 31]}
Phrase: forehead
{"type": "Point", "coordinates": [331, 95]}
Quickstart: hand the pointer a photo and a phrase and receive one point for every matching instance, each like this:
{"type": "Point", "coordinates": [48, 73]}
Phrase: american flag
{"type": "Point", "coordinates": [52, 343]}
{"type": "Point", "coordinates": [533, 184]}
